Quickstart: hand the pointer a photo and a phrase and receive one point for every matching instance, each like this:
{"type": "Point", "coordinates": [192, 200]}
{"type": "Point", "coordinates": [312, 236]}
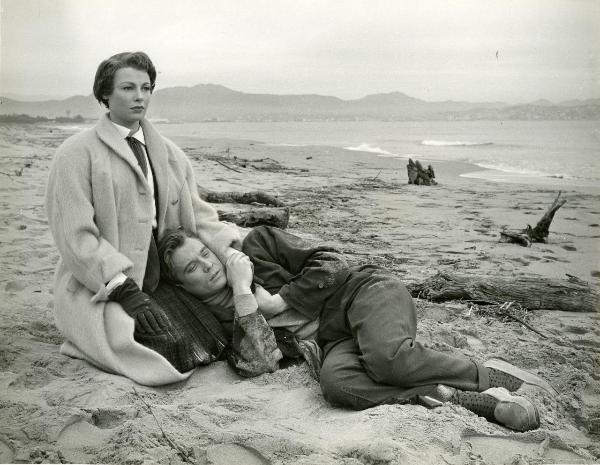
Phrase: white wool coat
{"type": "Point", "coordinates": [99, 209]}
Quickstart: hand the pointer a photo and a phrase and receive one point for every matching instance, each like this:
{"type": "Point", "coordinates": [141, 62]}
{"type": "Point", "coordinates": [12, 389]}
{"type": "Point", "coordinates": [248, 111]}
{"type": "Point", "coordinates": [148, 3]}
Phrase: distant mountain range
{"type": "Point", "coordinates": [211, 102]}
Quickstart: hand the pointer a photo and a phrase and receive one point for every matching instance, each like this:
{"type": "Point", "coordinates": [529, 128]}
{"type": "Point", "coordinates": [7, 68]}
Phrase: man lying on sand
{"type": "Point", "coordinates": [362, 318]}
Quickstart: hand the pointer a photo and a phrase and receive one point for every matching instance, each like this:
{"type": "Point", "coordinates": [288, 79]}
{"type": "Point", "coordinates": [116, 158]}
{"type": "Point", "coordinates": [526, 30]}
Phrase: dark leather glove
{"type": "Point", "coordinates": [149, 317]}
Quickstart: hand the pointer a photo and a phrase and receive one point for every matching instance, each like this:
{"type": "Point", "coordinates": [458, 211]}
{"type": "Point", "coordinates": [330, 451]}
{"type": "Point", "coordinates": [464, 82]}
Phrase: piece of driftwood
{"type": "Point", "coordinates": [240, 197]}
{"type": "Point", "coordinates": [531, 293]}
{"type": "Point", "coordinates": [537, 234]}
{"type": "Point", "coordinates": [419, 175]}
{"type": "Point", "coordinates": [269, 210]}
{"type": "Point", "coordinates": [270, 216]}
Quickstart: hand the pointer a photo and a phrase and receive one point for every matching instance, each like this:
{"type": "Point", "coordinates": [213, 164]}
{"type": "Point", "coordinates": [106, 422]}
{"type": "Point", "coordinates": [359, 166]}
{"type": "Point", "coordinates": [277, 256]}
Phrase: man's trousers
{"type": "Point", "coordinates": [371, 356]}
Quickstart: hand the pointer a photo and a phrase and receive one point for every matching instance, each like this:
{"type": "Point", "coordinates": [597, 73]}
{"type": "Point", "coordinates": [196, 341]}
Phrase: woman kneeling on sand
{"type": "Point", "coordinates": [362, 318]}
{"type": "Point", "coordinates": [113, 189]}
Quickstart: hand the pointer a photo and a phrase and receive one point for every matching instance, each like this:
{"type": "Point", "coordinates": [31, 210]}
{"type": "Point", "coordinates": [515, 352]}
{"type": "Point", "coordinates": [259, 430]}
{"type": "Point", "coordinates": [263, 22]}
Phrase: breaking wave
{"type": "Point", "coordinates": [368, 148]}
{"type": "Point", "coordinates": [452, 143]}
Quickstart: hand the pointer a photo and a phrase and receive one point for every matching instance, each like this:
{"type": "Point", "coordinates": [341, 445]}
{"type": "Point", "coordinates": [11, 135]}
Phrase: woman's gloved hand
{"type": "Point", "coordinates": [149, 317]}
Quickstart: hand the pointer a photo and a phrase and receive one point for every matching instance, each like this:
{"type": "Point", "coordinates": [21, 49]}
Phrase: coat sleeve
{"type": "Point", "coordinates": [217, 235]}
{"type": "Point", "coordinates": [308, 275]}
{"type": "Point", "coordinates": [69, 206]}
{"type": "Point", "coordinates": [253, 349]}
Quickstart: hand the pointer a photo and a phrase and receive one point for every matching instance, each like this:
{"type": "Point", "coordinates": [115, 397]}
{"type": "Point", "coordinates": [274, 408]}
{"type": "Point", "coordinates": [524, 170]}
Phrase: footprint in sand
{"type": "Point", "coordinates": [106, 419]}
{"type": "Point", "coordinates": [497, 449]}
{"type": "Point", "coordinates": [6, 452]}
{"type": "Point", "coordinates": [15, 286]}
{"type": "Point", "coordinates": [520, 260]}
{"type": "Point", "coordinates": [234, 454]}
{"type": "Point", "coordinates": [77, 436]}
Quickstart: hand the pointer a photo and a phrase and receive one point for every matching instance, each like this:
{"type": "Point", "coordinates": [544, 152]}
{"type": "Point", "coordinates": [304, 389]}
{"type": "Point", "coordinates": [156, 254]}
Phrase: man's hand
{"type": "Point", "coordinates": [239, 273]}
{"type": "Point", "coordinates": [269, 305]}
{"type": "Point", "coordinates": [149, 317]}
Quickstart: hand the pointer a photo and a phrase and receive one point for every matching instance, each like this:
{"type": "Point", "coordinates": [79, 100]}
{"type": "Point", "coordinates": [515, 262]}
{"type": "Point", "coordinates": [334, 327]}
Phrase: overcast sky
{"type": "Point", "coordinates": [433, 50]}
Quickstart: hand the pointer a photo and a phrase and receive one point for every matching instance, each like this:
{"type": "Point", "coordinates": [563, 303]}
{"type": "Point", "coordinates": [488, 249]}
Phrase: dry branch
{"type": "Point", "coordinates": [531, 293]}
{"type": "Point", "coordinates": [227, 166]}
{"type": "Point", "coordinates": [182, 453]}
{"type": "Point", "coordinates": [537, 234]}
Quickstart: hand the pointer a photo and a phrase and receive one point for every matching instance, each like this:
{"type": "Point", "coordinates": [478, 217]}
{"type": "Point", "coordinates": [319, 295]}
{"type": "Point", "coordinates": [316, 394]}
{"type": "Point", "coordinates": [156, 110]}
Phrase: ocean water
{"type": "Point", "coordinates": [547, 152]}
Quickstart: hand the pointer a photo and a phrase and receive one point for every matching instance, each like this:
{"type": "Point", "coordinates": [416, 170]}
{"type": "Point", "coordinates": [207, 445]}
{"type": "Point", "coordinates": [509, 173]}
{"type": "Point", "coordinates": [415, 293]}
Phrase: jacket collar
{"type": "Point", "coordinates": [155, 148]}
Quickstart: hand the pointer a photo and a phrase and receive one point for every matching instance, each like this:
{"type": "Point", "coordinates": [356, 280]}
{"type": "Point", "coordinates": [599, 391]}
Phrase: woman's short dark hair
{"type": "Point", "coordinates": [169, 243]}
{"type": "Point", "coordinates": [105, 74]}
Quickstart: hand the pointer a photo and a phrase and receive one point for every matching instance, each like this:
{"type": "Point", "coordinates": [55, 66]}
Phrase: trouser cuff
{"type": "Point", "coordinates": [483, 378]}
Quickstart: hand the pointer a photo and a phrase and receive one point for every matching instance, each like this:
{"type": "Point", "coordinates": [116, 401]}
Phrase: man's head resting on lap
{"type": "Point", "coordinates": [187, 262]}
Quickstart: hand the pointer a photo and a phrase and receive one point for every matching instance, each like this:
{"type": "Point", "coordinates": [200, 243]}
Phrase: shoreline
{"type": "Point", "coordinates": [444, 168]}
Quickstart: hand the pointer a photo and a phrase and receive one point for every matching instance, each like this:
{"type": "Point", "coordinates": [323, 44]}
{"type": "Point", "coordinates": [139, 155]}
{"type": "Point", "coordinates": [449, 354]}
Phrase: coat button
{"type": "Point", "coordinates": [320, 285]}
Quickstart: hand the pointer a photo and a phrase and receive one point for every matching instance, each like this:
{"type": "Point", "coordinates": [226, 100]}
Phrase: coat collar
{"type": "Point", "coordinates": [157, 152]}
{"type": "Point", "coordinates": [109, 134]}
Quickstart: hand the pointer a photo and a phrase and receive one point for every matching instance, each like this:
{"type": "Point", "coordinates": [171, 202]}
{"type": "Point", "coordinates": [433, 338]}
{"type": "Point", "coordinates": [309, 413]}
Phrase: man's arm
{"type": "Point", "coordinates": [253, 347]}
{"type": "Point", "coordinates": [305, 276]}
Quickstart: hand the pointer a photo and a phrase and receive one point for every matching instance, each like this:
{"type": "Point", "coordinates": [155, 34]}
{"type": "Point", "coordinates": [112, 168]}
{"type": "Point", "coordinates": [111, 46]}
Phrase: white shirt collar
{"type": "Point", "coordinates": [126, 132]}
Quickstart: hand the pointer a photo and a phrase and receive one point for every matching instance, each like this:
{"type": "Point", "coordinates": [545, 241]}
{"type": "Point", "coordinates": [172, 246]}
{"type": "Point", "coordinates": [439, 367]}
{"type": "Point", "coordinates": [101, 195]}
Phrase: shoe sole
{"type": "Point", "coordinates": [525, 376]}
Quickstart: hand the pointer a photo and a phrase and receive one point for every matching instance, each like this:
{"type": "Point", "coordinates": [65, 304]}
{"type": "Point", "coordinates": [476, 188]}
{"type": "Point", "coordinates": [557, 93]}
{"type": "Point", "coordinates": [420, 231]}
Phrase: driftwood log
{"type": "Point", "coordinates": [257, 197]}
{"type": "Point", "coordinates": [419, 175]}
{"type": "Point", "coordinates": [278, 217]}
{"type": "Point", "coordinates": [266, 209]}
{"type": "Point", "coordinates": [538, 234]}
{"type": "Point", "coordinates": [531, 293]}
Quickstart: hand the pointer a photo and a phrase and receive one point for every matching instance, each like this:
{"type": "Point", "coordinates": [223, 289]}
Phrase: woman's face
{"type": "Point", "coordinates": [130, 97]}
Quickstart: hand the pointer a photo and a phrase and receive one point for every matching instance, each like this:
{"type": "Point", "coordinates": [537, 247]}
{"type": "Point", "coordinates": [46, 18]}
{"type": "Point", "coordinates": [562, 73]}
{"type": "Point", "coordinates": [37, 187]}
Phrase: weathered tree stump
{"type": "Point", "coordinates": [531, 293]}
{"type": "Point", "coordinates": [538, 234]}
{"type": "Point", "coordinates": [419, 175]}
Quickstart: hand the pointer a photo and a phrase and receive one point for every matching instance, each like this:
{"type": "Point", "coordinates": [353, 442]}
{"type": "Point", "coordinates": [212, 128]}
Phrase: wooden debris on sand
{"type": "Point", "coordinates": [256, 197]}
{"type": "Point", "coordinates": [266, 209]}
{"type": "Point", "coordinates": [538, 234]}
{"type": "Point", "coordinates": [278, 217]}
{"type": "Point", "coordinates": [419, 175]}
{"type": "Point", "coordinates": [532, 293]}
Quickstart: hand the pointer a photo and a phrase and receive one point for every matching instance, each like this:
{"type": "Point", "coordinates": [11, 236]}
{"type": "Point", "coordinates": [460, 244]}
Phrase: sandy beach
{"type": "Point", "coordinates": [54, 409]}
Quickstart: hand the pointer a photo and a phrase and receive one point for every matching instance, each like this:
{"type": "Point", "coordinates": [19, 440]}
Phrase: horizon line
{"type": "Point", "coordinates": [33, 98]}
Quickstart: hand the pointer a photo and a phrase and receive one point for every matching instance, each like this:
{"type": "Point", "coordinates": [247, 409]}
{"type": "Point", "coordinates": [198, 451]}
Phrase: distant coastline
{"type": "Point", "coordinates": [215, 103]}
{"type": "Point", "coordinates": [24, 118]}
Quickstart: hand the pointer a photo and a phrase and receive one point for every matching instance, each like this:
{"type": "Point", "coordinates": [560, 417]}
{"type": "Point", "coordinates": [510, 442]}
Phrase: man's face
{"type": "Point", "coordinates": [198, 269]}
